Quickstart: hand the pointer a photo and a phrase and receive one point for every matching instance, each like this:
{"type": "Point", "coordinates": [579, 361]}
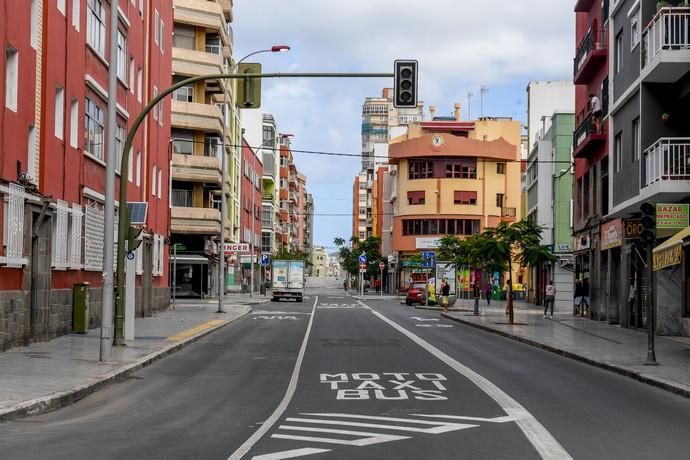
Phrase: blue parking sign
{"type": "Point", "coordinates": [265, 260]}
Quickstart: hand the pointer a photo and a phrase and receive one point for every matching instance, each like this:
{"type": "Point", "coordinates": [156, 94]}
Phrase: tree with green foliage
{"type": "Point", "coordinates": [349, 254]}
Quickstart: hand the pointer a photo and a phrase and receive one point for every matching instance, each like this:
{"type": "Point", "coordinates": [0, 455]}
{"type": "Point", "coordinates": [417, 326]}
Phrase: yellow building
{"type": "Point", "coordinates": [319, 260]}
{"type": "Point", "coordinates": [453, 177]}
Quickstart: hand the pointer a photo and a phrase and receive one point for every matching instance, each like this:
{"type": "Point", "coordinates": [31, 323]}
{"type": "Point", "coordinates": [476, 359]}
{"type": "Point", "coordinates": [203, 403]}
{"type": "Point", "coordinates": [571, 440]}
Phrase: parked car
{"type": "Point", "coordinates": [416, 294]}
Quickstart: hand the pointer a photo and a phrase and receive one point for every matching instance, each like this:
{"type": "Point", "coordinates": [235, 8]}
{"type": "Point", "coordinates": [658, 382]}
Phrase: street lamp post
{"type": "Point", "coordinates": [224, 204]}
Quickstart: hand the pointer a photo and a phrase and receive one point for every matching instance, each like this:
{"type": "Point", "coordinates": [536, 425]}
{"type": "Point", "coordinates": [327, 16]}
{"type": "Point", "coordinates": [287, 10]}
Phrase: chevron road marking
{"type": "Point", "coordinates": [290, 454]}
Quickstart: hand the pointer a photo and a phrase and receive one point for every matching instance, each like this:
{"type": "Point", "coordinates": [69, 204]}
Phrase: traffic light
{"type": "Point", "coordinates": [648, 221]}
{"type": "Point", "coordinates": [249, 89]}
{"type": "Point", "coordinates": [405, 86]}
{"type": "Point", "coordinates": [133, 241]}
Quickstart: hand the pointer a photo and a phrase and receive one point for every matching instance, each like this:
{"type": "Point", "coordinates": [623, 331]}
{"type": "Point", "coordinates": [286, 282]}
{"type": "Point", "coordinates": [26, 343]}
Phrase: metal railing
{"type": "Point", "coordinates": [586, 127]}
{"type": "Point", "coordinates": [595, 39]}
{"type": "Point", "coordinates": [667, 159]}
{"type": "Point", "coordinates": [668, 30]}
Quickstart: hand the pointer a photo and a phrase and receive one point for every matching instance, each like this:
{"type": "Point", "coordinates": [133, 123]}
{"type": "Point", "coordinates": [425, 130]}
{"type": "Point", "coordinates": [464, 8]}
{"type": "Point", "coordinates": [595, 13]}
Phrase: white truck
{"type": "Point", "coordinates": [287, 280]}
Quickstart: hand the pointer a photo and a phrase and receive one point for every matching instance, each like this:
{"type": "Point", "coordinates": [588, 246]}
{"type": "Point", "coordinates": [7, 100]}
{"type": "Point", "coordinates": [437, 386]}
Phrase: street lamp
{"type": "Point", "coordinates": [224, 204]}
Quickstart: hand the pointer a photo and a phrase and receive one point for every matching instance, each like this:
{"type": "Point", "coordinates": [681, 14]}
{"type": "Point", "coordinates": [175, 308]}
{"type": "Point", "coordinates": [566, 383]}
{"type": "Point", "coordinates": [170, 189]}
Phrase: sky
{"type": "Point", "coordinates": [461, 45]}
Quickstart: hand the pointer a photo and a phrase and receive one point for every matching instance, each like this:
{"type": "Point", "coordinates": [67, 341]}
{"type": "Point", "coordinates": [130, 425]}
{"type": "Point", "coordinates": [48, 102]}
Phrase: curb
{"type": "Point", "coordinates": [62, 399]}
{"type": "Point", "coordinates": [424, 307]}
{"type": "Point", "coordinates": [624, 371]}
{"type": "Point", "coordinates": [389, 298]}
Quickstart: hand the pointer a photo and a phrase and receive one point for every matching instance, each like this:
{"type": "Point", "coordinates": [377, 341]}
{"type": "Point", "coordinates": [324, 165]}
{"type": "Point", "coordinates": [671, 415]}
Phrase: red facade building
{"type": "Point", "coordinates": [250, 218]}
{"type": "Point", "coordinates": [53, 106]}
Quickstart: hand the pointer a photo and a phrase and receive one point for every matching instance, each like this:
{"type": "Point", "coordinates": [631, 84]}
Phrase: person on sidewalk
{"type": "Point", "coordinates": [477, 292]}
{"type": "Point", "coordinates": [581, 299]}
{"type": "Point", "coordinates": [549, 298]}
{"type": "Point", "coordinates": [345, 284]}
{"type": "Point", "coordinates": [445, 292]}
{"type": "Point", "coordinates": [487, 292]}
{"type": "Point", "coordinates": [377, 285]}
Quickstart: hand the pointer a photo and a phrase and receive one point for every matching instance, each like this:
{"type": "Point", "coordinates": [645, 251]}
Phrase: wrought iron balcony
{"type": "Point", "coordinates": [589, 135]}
{"type": "Point", "coordinates": [591, 55]}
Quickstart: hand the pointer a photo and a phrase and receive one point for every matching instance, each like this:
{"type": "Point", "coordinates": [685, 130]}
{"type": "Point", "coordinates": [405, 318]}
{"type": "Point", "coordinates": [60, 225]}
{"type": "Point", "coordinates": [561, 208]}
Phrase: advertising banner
{"type": "Point", "coordinates": [611, 234]}
{"type": "Point", "coordinates": [446, 270]}
{"type": "Point", "coordinates": [672, 215]}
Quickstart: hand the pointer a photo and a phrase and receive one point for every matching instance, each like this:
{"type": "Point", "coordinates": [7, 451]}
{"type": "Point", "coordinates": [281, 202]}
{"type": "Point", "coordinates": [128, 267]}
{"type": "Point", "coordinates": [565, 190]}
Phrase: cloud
{"type": "Point", "coordinates": [460, 44]}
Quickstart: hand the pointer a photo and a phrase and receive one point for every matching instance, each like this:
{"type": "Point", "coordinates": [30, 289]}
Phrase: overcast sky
{"type": "Point", "coordinates": [461, 45]}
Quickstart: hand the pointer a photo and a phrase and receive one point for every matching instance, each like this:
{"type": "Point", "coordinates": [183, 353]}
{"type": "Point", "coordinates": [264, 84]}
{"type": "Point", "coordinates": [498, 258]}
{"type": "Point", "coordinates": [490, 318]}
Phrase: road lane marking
{"type": "Point", "coordinates": [367, 440]}
{"type": "Point", "coordinates": [278, 317]}
{"type": "Point", "coordinates": [503, 419]}
{"type": "Point", "coordinates": [195, 330]}
{"type": "Point", "coordinates": [434, 325]}
{"type": "Point", "coordinates": [290, 454]}
{"type": "Point", "coordinates": [437, 429]}
{"type": "Point", "coordinates": [421, 320]}
{"type": "Point", "coordinates": [543, 441]}
{"type": "Point", "coordinates": [269, 312]}
{"type": "Point", "coordinates": [289, 393]}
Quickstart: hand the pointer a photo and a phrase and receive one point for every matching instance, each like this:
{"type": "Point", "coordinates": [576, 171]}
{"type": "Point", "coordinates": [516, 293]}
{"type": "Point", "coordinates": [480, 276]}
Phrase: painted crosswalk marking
{"type": "Point", "coordinates": [328, 428]}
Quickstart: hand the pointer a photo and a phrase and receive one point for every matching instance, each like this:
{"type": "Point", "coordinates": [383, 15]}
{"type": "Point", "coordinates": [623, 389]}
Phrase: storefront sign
{"type": "Point", "coordinates": [672, 215]}
{"type": "Point", "coordinates": [563, 247]}
{"type": "Point", "coordinates": [632, 229]}
{"type": "Point", "coordinates": [235, 248]}
{"type": "Point", "coordinates": [668, 257]}
{"type": "Point", "coordinates": [580, 243]}
{"type": "Point", "coordinates": [427, 243]}
{"type": "Point", "coordinates": [611, 234]}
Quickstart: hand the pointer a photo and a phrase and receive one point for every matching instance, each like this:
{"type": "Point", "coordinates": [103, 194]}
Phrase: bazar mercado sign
{"type": "Point", "coordinates": [672, 215]}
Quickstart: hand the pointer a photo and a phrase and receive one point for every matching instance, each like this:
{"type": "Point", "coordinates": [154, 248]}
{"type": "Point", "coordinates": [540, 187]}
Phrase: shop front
{"type": "Point", "coordinates": [671, 264]}
{"type": "Point", "coordinates": [611, 239]}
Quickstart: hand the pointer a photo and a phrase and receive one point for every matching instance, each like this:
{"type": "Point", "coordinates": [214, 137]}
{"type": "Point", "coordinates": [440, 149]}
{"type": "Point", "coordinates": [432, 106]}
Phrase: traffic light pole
{"type": "Point", "coordinates": [124, 167]}
{"type": "Point", "coordinates": [651, 311]}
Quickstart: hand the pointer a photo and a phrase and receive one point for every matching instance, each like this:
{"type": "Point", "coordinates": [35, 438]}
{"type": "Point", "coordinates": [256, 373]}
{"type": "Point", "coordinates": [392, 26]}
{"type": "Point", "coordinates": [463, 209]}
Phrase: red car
{"type": "Point", "coordinates": [416, 294]}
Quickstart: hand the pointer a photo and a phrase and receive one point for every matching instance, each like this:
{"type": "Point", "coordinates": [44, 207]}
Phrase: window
{"type": "Point", "coordinates": [141, 8]}
{"type": "Point", "coordinates": [160, 182]}
{"type": "Point", "coordinates": [74, 242]}
{"type": "Point", "coordinates": [461, 169]}
{"type": "Point", "coordinates": [140, 80]}
{"type": "Point", "coordinates": [618, 151]}
{"type": "Point", "coordinates": [184, 36]}
{"type": "Point", "coordinates": [61, 6]}
{"type": "Point", "coordinates": [636, 139]}
{"type": "Point", "coordinates": [59, 112]}
{"type": "Point", "coordinates": [93, 239]}
{"type": "Point", "coordinates": [131, 75]}
{"type": "Point", "coordinates": [161, 109]}
{"type": "Point", "coordinates": [155, 109]}
{"type": "Point", "coordinates": [183, 141]}
{"type": "Point", "coordinates": [119, 145]}
{"type": "Point", "coordinates": [130, 165]}
{"type": "Point", "coordinates": [156, 30]}
{"type": "Point", "coordinates": [138, 169]}
{"type": "Point", "coordinates": [153, 180]}
{"type": "Point", "coordinates": [60, 235]}
{"type": "Point", "coordinates": [184, 94]}
{"type": "Point", "coordinates": [93, 129]}
{"type": "Point", "coordinates": [500, 168]}
{"type": "Point", "coordinates": [95, 25]}
{"type": "Point", "coordinates": [416, 198]}
{"type": "Point", "coordinates": [465, 197]}
{"type": "Point", "coordinates": [34, 24]}
{"type": "Point", "coordinates": [76, 13]}
{"type": "Point", "coordinates": [162, 34]}
{"type": "Point", "coordinates": [74, 124]}
{"type": "Point", "coordinates": [421, 169]}
{"type": "Point", "coordinates": [635, 30]}
{"type": "Point", "coordinates": [416, 227]}
{"type": "Point", "coordinates": [121, 56]}
{"type": "Point", "coordinates": [11, 78]}
{"type": "Point", "coordinates": [500, 200]}
{"type": "Point", "coordinates": [618, 62]}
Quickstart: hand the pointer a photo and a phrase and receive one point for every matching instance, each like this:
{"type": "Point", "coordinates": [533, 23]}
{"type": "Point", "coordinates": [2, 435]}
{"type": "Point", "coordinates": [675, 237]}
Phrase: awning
{"type": "Point", "coordinates": [189, 259]}
{"type": "Point", "coordinates": [670, 252]}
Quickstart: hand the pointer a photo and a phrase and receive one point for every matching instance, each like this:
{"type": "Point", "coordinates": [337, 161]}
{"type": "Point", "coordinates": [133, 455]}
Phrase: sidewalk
{"type": "Point", "coordinates": [48, 375]}
{"type": "Point", "coordinates": [607, 346]}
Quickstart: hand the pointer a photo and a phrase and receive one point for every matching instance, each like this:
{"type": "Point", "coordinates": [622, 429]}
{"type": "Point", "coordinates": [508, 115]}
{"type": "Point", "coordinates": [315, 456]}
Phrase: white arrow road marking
{"type": "Point", "coordinates": [503, 419]}
{"type": "Point", "coordinates": [268, 312]}
{"type": "Point", "coordinates": [290, 454]}
{"type": "Point", "coordinates": [437, 429]}
{"type": "Point", "coordinates": [434, 325]}
{"type": "Point", "coordinates": [424, 319]}
{"type": "Point", "coordinates": [369, 438]}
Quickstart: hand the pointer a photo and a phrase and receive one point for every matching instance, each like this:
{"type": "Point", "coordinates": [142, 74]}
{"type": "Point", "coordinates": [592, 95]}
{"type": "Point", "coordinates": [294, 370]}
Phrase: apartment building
{"type": "Point", "coordinates": [250, 220]}
{"type": "Point", "coordinates": [650, 162]}
{"type": "Point", "coordinates": [452, 177]}
{"type": "Point", "coordinates": [54, 98]}
{"type": "Point", "coordinates": [204, 131]}
{"type": "Point", "coordinates": [591, 147]}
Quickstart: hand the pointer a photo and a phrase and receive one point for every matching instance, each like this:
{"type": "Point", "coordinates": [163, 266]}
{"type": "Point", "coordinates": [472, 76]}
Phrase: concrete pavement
{"type": "Point", "coordinates": [607, 346]}
{"type": "Point", "coordinates": [49, 375]}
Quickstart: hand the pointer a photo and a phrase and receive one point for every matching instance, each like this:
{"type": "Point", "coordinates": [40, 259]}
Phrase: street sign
{"type": "Point", "coordinates": [363, 266]}
{"type": "Point", "coordinates": [362, 258]}
{"type": "Point", "coordinates": [428, 254]}
{"type": "Point", "coordinates": [382, 265]}
{"type": "Point", "coordinates": [265, 260]}
{"type": "Point", "coordinates": [235, 248]}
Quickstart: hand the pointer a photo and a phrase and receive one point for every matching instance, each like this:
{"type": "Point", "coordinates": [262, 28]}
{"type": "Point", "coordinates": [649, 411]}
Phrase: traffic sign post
{"type": "Point", "coordinates": [362, 258]}
{"type": "Point", "coordinates": [362, 271]}
{"type": "Point", "coordinates": [381, 267]}
{"type": "Point", "coordinates": [265, 260]}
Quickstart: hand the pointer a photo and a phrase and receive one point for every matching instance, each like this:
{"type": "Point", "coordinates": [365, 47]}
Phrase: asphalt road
{"type": "Point", "coordinates": [368, 383]}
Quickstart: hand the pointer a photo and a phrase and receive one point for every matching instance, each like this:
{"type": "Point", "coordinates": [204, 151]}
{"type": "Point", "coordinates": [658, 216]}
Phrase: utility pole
{"type": "Point", "coordinates": [483, 90]}
{"type": "Point", "coordinates": [469, 105]}
{"type": "Point", "coordinates": [106, 342]}
{"type": "Point", "coordinates": [223, 205]}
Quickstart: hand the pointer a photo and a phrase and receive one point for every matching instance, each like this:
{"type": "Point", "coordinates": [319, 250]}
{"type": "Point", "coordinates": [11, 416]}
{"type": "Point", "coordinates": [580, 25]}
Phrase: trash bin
{"type": "Point", "coordinates": [80, 308]}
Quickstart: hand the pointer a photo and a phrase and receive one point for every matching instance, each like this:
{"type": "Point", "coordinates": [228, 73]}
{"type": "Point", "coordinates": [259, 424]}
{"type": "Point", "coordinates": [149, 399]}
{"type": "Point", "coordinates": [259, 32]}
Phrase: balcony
{"type": "Point", "coordinates": [666, 166]}
{"type": "Point", "coordinates": [194, 63]}
{"type": "Point", "coordinates": [508, 214]}
{"type": "Point", "coordinates": [206, 15]}
{"type": "Point", "coordinates": [665, 56]}
{"type": "Point", "coordinates": [293, 197]}
{"type": "Point", "coordinates": [588, 136]}
{"type": "Point", "coordinates": [198, 117]}
{"type": "Point", "coordinates": [196, 168]}
{"type": "Point", "coordinates": [267, 197]}
{"type": "Point", "coordinates": [591, 55]}
{"type": "Point", "coordinates": [194, 221]}
{"type": "Point", "coordinates": [227, 6]}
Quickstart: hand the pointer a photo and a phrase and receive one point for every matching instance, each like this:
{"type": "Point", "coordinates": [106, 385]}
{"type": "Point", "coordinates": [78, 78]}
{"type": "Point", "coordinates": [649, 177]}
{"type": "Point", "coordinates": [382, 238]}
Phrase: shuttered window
{"type": "Point", "coordinates": [60, 235]}
{"type": "Point", "coordinates": [74, 247]}
{"type": "Point", "coordinates": [465, 197]}
{"type": "Point", "coordinates": [93, 239]}
{"type": "Point", "coordinates": [415, 198]}
{"type": "Point", "coordinates": [14, 225]}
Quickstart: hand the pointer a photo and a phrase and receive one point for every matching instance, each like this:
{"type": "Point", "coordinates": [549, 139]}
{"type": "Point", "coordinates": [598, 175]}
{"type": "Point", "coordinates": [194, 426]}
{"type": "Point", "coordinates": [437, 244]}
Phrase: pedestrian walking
{"type": "Point", "coordinates": [477, 292]}
{"type": "Point", "coordinates": [445, 292]}
{"type": "Point", "coordinates": [487, 291]}
{"type": "Point", "coordinates": [345, 284]}
{"type": "Point", "coordinates": [377, 284]}
{"type": "Point", "coordinates": [581, 299]}
{"type": "Point", "coordinates": [549, 298]}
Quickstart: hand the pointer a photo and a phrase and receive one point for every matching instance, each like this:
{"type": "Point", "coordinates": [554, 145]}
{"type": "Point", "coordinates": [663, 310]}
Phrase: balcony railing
{"type": "Point", "coordinates": [667, 159]}
{"type": "Point", "coordinates": [595, 40]}
{"type": "Point", "coordinates": [668, 30]}
{"type": "Point", "coordinates": [588, 132]}
{"type": "Point", "coordinates": [508, 212]}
